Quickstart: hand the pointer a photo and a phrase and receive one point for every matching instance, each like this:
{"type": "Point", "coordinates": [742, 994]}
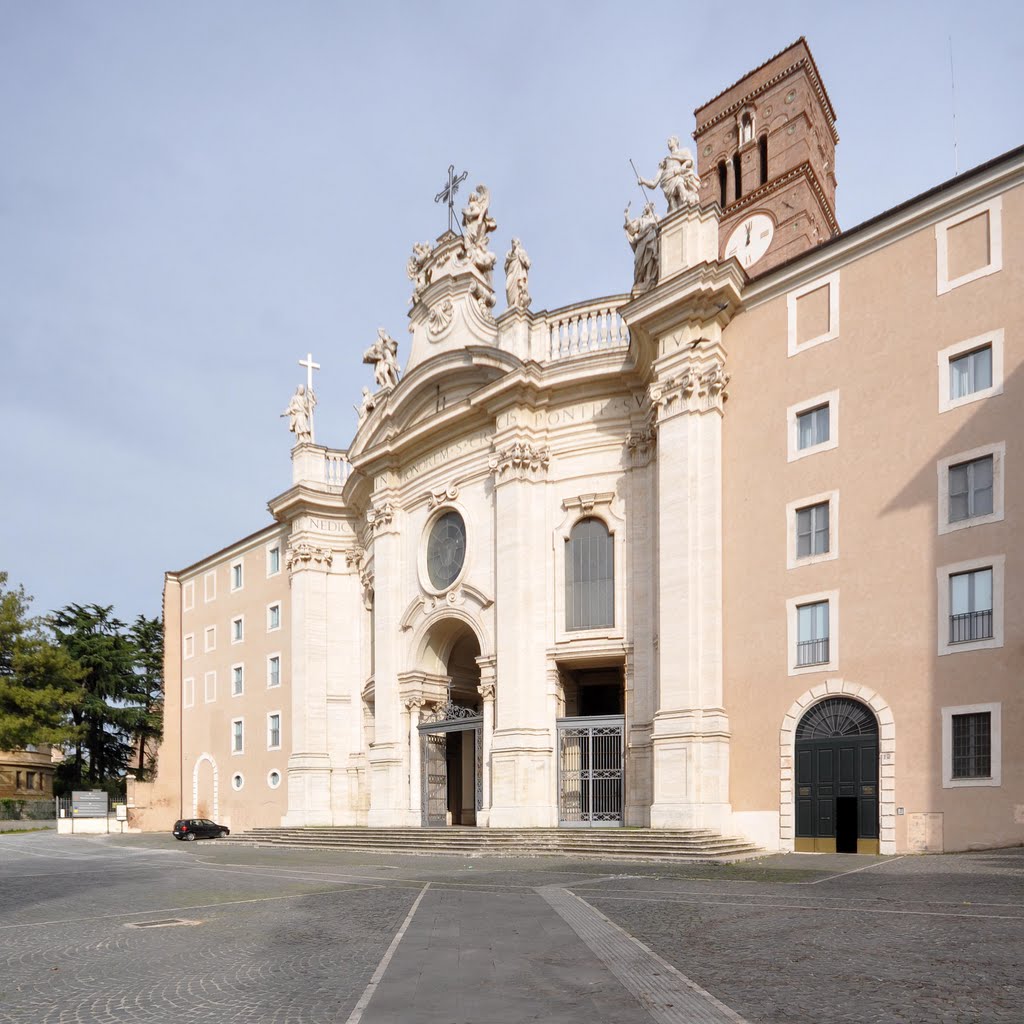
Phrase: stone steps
{"type": "Point", "coordinates": [609, 844]}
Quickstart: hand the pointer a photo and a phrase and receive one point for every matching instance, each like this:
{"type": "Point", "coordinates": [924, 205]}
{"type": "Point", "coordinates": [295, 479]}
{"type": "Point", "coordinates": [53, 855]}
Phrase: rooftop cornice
{"type": "Point", "coordinates": [302, 498]}
{"type": "Point", "coordinates": [250, 541]}
{"type": "Point", "coordinates": [922, 211]}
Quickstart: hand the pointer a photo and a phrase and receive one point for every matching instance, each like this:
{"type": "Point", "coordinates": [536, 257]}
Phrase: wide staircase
{"type": "Point", "coordinates": [635, 844]}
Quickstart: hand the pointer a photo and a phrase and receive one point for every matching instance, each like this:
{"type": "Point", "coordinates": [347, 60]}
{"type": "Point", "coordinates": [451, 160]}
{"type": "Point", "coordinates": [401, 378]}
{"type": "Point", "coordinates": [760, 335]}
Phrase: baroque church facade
{"type": "Point", "coordinates": [732, 550]}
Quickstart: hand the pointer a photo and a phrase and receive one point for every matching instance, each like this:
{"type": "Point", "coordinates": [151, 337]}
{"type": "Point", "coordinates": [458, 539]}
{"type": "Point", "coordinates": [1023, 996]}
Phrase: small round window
{"type": "Point", "coordinates": [237, 782]}
{"type": "Point", "coordinates": [446, 550]}
{"type": "Point", "coordinates": [274, 780]}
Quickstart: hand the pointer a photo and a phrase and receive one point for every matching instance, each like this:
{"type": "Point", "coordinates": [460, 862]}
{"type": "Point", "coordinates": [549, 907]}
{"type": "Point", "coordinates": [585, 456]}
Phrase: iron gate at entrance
{"type": "Point", "coordinates": [590, 772]}
{"type": "Point", "coordinates": [434, 760]}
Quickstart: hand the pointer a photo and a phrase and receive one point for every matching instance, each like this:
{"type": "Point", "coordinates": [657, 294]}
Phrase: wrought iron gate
{"type": "Point", "coordinates": [434, 734]}
{"type": "Point", "coordinates": [590, 771]}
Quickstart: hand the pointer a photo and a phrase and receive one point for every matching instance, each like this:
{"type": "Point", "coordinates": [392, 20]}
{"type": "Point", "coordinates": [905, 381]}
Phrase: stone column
{"type": "Point", "coordinates": [309, 764]}
{"type": "Point", "coordinates": [388, 792]}
{"type": "Point", "coordinates": [414, 705]}
{"type": "Point", "coordinates": [486, 691]}
{"type": "Point", "coordinates": [522, 781]}
{"type": "Point", "coordinates": [691, 731]}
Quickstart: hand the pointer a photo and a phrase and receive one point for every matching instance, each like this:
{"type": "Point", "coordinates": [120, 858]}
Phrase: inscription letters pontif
{"type": "Point", "coordinates": [607, 408]}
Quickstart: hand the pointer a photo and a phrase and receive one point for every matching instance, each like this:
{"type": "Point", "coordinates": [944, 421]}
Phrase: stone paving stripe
{"type": "Point", "coordinates": [356, 1015]}
{"type": "Point", "coordinates": [853, 871]}
{"type": "Point", "coordinates": [194, 906]}
{"type": "Point", "coordinates": [667, 995]}
{"type": "Point", "coordinates": [821, 910]}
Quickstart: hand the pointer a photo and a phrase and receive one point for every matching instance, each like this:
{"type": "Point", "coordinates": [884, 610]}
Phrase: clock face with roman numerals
{"type": "Point", "coordinates": [750, 239]}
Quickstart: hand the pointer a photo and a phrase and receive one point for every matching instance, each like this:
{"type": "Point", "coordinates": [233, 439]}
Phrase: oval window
{"type": "Point", "coordinates": [274, 780]}
{"type": "Point", "coordinates": [237, 782]}
{"type": "Point", "coordinates": [446, 550]}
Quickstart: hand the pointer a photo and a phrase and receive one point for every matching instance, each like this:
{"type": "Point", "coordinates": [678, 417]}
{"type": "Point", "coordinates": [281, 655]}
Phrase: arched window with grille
{"type": "Point", "coordinates": [589, 576]}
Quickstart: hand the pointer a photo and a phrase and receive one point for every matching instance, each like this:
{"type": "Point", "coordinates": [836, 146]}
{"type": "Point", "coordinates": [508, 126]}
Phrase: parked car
{"type": "Point", "coordinates": [199, 828]}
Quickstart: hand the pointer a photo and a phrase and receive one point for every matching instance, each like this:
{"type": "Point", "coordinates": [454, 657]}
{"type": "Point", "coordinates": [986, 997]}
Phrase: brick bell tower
{"type": "Point", "coordinates": [766, 153]}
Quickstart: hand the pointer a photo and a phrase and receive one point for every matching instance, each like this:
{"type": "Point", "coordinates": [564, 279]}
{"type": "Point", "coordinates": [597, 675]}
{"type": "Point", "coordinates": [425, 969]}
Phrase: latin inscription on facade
{"type": "Point", "coordinates": [474, 442]}
{"type": "Point", "coordinates": [584, 412]}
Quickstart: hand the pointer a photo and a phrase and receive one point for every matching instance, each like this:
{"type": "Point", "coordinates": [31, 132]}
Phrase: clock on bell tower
{"type": "Point", "coordinates": [766, 154]}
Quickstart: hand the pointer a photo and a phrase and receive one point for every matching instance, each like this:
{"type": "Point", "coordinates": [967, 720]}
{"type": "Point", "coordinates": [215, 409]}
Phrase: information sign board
{"type": "Point", "coordinates": [89, 803]}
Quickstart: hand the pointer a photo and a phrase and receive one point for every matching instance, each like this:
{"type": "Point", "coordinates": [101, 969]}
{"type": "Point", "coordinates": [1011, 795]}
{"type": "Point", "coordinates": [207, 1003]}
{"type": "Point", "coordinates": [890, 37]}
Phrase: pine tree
{"type": "Point", "coordinates": [147, 636]}
{"type": "Point", "coordinates": [39, 682]}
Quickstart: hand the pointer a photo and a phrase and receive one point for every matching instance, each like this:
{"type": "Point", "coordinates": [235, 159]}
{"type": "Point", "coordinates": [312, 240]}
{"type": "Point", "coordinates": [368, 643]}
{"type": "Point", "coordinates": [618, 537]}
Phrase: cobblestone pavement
{"type": "Point", "coordinates": [296, 936]}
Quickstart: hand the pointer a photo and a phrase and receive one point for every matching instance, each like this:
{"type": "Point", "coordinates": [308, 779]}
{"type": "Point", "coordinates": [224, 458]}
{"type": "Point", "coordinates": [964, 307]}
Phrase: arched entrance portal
{"type": "Point", "coordinates": [451, 732]}
{"type": "Point", "coordinates": [837, 778]}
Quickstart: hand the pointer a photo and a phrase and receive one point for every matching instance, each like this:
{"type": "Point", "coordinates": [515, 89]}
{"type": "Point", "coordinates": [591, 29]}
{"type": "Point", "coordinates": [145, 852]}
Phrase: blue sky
{"type": "Point", "coordinates": [194, 195]}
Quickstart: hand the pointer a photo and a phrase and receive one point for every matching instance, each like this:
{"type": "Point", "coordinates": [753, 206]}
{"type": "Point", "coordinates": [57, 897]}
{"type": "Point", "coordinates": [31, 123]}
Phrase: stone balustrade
{"type": "Point", "coordinates": [336, 467]}
{"type": "Point", "coordinates": [315, 465]}
{"type": "Point", "coordinates": [587, 327]}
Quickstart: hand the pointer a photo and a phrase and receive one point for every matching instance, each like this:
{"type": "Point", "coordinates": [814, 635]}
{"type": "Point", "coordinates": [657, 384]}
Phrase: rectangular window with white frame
{"type": "Point", "coordinates": [237, 680]}
{"type": "Point", "coordinates": [274, 730]}
{"type": "Point", "coordinates": [188, 596]}
{"type": "Point", "coordinates": [812, 525]}
{"type": "Point", "coordinates": [238, 629]}
{"type": "Point", "coordinates": [972, 487]}
{"type": "Point", "coordinates": [273, 670]}
{"type": "Point", "coordinates": [237, 736]}
{"type": "Point", "coordinates": [188, 692]}
{"type": "Point", "coordinates": [812, 426]}
{"type": "Point", "coordinates": [972, 745]}
{"type": "Point", "coordinates": [971, 370]}
{"type": "Point", "coordinates": [210, 586]}
{"type": "Point", "coordinates": [210, 638]}
{"type": "Point", "coordinates": [237, 577]}
{"type": "Point", "coordinates": [970, 613]}
{"type": "Point", "coordinates": [273, 617]}
{"type": "Point", "coordinates": [188, 645]}
{"type": "Point", "coordinates": [969, 245]}
{"type": "Point", "coordinates": [273, 559]}
{"type": "Point", "coordinates": [210, 687]}
{"type": "Point", "coordinates": [813, 633]}
{"type": "Point", "coordinates": [813, 314]}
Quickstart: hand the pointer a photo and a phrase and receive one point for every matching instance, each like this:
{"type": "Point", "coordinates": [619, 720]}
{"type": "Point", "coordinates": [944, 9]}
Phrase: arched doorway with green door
{"type": "Point", "coordinates": [836, 792]}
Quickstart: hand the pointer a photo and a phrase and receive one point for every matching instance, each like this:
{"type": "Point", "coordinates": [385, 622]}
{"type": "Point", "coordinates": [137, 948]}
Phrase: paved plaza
{"type": "Point", "coordinates": [146, 929]}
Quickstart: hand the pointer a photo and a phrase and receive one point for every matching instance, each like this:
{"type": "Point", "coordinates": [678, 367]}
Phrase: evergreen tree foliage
{"type": "Point", "coordinates": [147, 635]}
{"type": "Point", "coordinates": [39, 683]}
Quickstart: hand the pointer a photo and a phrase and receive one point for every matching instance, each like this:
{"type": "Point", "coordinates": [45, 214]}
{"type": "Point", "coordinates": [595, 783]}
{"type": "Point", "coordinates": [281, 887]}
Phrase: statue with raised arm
{"type": "Point", "coordinates": [368, 404]}
{"type": "Point", "coordinates": [477, 224]}
{"type": "Point", "coordinates": [517, 267]}
{"type": "Point", "coordinates": [383, 355]}
{"type": "Point", "coordinates": [642, 233]}
{"type": "Point", "coordinates": [417, 270]}
{"type": "Point", "coordinates": [677, 177]}
{"type": "Point", "coordinates": [300, 414]}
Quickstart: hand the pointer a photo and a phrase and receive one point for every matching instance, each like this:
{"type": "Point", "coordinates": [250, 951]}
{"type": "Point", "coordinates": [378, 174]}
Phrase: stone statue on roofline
{"type": "Point", "coordinates": [642, 233]}
{"type": "Point", "coordinates": [677, 177]}
{"type": "Point", "coordinates": [517, 267]}
{"type": "Point", "coordinates": [383, 356]}
{"type": "Point", "coordinates": [300, 414]}
{"type": "Point", "coordinates": [418, 271]}
{"type": "Point", "coordinates": [477, 224]}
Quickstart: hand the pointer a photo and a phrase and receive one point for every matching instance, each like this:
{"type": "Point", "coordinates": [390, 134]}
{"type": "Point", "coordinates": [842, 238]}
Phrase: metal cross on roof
{"type": "Point", "coordinates": [447, 194]}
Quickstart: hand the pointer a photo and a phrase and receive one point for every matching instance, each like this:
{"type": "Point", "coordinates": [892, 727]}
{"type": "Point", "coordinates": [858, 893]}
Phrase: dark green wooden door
{"type": "Point", "coordinates": [837, 778]}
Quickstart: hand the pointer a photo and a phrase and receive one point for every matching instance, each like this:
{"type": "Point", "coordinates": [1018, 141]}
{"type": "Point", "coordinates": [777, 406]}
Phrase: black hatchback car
{"type": "Point", "coordinates": [199, 828]}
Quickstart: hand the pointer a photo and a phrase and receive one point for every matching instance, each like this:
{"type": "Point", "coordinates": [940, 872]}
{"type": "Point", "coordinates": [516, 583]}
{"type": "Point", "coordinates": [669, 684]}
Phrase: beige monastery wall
{"type": "Point", "coordinates": [884, 366]}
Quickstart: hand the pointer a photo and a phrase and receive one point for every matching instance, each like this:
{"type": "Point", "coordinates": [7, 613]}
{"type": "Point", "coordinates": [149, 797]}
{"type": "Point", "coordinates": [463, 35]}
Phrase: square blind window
{"type": "Point", "coordinates": [970, 489]}
{"type": "Point", "coordinates": [812, 427]}
{"type": "Point", "coordinates": [812, 530]}
{"type": "Point", "coordinates": [972, 746]}
{"type": "Point", "coordinates": [971, 372]}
